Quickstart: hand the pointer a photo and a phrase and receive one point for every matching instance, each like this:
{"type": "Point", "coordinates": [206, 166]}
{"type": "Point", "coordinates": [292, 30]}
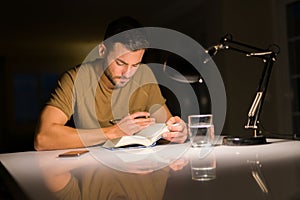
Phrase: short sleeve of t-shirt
{"type": "Point", "coordinates": [62, 97]}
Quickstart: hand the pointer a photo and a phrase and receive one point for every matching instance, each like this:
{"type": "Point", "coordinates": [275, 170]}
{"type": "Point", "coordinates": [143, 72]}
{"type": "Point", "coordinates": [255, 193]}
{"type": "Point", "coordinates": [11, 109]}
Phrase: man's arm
{"type": "Point", "coordinates": [52, 133]}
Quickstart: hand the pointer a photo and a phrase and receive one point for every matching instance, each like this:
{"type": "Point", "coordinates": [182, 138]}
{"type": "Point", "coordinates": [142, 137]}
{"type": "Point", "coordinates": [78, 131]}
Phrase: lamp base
{"type": "Point", "coordinates": [241, 141]}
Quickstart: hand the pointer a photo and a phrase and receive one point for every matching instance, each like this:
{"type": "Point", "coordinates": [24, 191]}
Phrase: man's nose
{"type": "Point", "coordinates": [127, 69]}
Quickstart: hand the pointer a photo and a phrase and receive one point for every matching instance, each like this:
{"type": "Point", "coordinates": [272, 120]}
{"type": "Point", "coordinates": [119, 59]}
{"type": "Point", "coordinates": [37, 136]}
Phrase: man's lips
{"type": "Point", "coordinates": [123, 80]}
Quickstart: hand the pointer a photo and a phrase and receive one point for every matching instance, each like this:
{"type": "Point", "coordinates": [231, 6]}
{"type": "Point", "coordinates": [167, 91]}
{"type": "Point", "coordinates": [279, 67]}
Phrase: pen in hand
{"type": "Point", "coordinates": [115, 121]}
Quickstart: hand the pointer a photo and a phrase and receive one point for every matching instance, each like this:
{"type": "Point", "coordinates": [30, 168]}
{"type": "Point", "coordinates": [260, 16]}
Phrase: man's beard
{"type": "Point", "coordinates": [112, 79]}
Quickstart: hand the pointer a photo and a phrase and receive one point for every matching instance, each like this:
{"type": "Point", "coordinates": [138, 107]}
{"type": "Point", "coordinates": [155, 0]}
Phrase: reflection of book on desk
{"type": "Point", "coordinates": [146, 137]}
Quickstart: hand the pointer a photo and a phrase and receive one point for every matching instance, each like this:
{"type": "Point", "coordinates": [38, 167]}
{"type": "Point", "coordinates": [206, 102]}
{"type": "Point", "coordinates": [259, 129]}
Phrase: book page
{"type": "Point", "coordinates": [153, 130]}
{"type": "Point", "coordinates": [134, 139]}
{"type": "Point", "coordinates": [145, 137]}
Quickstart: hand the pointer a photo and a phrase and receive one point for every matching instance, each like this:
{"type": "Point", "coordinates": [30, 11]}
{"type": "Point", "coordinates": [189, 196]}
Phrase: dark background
{"type": "Point", "coordinates": [41, 39]}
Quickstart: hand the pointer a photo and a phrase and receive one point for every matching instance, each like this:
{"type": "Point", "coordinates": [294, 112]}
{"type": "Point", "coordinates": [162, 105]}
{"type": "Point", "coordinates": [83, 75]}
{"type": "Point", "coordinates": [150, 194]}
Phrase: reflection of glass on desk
{"type": "Point", "coordinates": [203, 168]}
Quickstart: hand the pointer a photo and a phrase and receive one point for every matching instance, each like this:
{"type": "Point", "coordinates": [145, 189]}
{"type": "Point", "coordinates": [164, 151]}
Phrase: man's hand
{"type": "Point", "coordinates": [135, 122]}
{"type": "Point", "coordinates": [178, 130]}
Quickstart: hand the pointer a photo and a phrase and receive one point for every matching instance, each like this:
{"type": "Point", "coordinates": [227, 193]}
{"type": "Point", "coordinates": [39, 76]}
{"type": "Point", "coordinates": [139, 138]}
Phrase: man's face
{"type": "Point", "coordinates": [122, 64]}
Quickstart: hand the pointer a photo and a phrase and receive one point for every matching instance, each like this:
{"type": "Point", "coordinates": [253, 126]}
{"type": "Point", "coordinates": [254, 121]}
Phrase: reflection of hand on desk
{"type": "Point", "coordinates": [178, 164]}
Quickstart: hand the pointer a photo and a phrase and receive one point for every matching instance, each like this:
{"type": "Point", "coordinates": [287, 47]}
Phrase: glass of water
{"type": "Point", "coordinates": [201, 130]}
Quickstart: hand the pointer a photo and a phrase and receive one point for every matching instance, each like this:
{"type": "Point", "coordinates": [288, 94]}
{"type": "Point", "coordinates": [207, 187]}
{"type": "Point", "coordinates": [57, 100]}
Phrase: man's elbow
{"type": "Point", "coordinates": [40, 142]}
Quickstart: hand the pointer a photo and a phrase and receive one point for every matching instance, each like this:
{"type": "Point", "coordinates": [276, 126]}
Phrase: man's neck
{"type": "Point", "coordinates": [108, 83]}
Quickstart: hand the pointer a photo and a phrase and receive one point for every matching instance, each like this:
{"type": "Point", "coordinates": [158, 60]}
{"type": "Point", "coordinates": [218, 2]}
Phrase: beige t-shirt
{"type": "Point", "coordinates": [81, 93]}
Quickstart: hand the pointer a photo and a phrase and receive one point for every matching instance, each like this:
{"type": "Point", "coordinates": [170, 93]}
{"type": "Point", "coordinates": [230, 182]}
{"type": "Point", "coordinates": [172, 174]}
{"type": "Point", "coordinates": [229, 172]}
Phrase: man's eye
{"type": "Point", "coordinates": [136, 65]}
{"type": "Point", "coordinates": [120, 63]}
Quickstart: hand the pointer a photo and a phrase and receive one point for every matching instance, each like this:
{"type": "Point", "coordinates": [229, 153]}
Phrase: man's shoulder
{"type": "Point", "coordinates": [144, 67]}
{"type": "Point", "coordinates": [145, 74]}
{"type": "Point", "coordinates": [86, 67]}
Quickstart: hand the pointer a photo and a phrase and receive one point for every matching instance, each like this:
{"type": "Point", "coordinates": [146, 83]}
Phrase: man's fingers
{"type": "Point", "coordinates": [137, 115]}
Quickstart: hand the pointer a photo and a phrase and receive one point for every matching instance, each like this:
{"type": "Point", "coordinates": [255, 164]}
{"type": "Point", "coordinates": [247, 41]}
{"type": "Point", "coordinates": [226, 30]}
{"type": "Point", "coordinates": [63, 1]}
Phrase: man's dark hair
{"type": "Point", "coordinates": [128, 31]}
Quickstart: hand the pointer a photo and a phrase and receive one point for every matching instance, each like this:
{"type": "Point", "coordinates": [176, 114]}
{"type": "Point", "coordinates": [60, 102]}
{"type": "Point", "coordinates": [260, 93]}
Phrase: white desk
{"type": "Point", "coordinates": [270, 171]}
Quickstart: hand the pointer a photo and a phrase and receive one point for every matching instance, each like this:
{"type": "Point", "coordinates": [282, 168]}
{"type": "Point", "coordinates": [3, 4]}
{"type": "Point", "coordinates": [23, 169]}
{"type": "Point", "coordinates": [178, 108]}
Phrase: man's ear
{"type": "Point", "coordinates": [101, 50]}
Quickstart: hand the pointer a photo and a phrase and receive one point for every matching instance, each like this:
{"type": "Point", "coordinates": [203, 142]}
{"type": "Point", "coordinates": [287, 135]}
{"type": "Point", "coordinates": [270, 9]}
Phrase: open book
{"type": "Point", "coordinates": [146, 137]}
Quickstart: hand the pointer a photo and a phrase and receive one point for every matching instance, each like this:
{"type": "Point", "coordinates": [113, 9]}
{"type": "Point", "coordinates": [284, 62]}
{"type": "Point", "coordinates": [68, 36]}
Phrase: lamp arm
{"type": "Point", "coordinates": [255, 110]}
{"type": "Point", "coordinates": [250, 51]}
{"type": "Point", "coordinates": [269, 57]}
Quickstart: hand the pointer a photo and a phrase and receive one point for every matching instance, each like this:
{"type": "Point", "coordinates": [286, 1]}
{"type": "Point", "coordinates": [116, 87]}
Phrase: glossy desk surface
{"type": "Point", "coordinates": [270, 171]}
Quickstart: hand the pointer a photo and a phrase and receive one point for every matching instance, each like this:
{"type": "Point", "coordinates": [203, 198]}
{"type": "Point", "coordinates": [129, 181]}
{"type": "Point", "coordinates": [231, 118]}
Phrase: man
{"type": "Point", "coordinates": [108, 98]}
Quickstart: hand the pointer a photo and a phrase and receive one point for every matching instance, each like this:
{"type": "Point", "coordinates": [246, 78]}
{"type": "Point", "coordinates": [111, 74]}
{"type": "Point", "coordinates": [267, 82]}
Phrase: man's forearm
{"type": "Point", "coordinates": [63, 137]}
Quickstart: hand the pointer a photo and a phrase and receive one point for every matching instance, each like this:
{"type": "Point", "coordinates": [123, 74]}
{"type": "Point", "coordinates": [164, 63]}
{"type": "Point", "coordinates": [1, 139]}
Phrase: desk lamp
{"type": "Point", "coordinates": [268, 57]}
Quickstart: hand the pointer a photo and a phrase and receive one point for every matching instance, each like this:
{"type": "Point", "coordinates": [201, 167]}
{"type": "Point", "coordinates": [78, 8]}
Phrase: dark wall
{"type": "Point", "coordinates": [39, 42]}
